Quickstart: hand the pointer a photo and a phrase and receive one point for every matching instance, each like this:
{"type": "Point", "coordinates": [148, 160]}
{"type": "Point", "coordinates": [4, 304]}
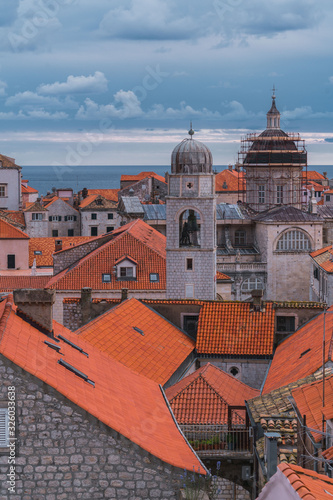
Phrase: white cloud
{"type": "Point", "coordinates": [41, 114]}
{"type": "Point", "coordinates": [126, 105]}
{"type": "Point", "coordinates": [29, 98]}
{"type": "Point", "coordinates": [77, 85]}
{"type": "Point", "coordinates": [158, 111]}
{"type": "Point", "coordinates": [3, 86]}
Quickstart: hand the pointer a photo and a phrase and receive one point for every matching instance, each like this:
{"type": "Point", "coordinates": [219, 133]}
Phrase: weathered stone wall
{"type": "Point", "coordinates": [251, 371]}
{"type": "Point", "coordinates": [230, 491]}
{"type": "Point", "coordinates": [70, 255]}
{"type": "Point", "coordinates": [63, 209]}
{"type": "Point", "coordinates": [148, 189]}
{"type": "Point", "coordinates": [63, 453]}
{"type": "Point", "coordinates": [102, 222]}
{"type": "Point", "coordinates": [73, 312]}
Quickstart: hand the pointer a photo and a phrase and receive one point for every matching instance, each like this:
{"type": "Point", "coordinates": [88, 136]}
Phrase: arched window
{"type": "Point", "coordinates": [293, 240]}
{"type": "Point", "coordinates": [189, 229]}
{"type": "Point", "coordinates": [252, 284]}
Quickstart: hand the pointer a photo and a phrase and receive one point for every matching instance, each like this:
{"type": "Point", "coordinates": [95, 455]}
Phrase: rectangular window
{"type": "Point", "coordinates": [11, 261]}
{"type": "Point", "coordinates": [285, 324]}
{"type": "Point", "coordinates": [70, 232]}
{"type": "Point", "coordinates": [316, 273]}
{"type": "Point", "coordinates": [70, 218]}
{"type": "Point", "coordinates": [189, 264]}
{"type": "Point", "coordinates": [4, 434]}
{"type": "Point", "coordinates": [154, 277]}
{"type": "Point", "coordinates": [262, 193]}
{"type": "Point", "coordinates": [106, 278]}
{"type": "Point", "coordinates": [93, 230]}
{"type": "Point", "coordinates": [37, 216]}
{"type": "Point", "coordinates": [3, 190]}
{"type": "Point", "coordinates": [94, 216]}
{"type": "Point", "coordinates": [38, 252]}
{"type": "Point", "coordinates": [328, 197]}
{"type": "Point", "coordinates": [109, 229]}
{"type": "Point", "coordinates": [240, 238]}
{"type": "Point", "coordinates": [279, 195]}
{"type": "Point", "coordinates": [126, 272]}
{"type": "Point", "coordinates": [190, 324]}
{"type": "Point", "coordinates": [110, 216]}
{"type": "Point", "coordinates": [189, 291]}
{"type": "Point", "coordinates": [55, 233]}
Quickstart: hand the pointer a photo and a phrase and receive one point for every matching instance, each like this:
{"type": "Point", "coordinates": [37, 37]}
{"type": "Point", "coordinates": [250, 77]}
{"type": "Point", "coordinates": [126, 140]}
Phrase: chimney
{"type": "Point", "coordinates": [257, 299]}
{"type": "Point", "coordinates": [124, 294]}
{"type": "Point", "coordinates": [86, 304]}
{"type": "Point", "coordinates": [229, 167]}
{"type": "Point", "coordinates": [271, 452]}
{"type": "Point", "coordinates": [36, 305]}
{"type": "Point", "coordinates": [58, 245]}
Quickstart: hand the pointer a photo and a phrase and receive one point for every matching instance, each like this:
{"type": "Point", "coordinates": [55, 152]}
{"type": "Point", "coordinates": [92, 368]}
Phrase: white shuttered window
{"type": "Point", "coordinates": [4, 437]}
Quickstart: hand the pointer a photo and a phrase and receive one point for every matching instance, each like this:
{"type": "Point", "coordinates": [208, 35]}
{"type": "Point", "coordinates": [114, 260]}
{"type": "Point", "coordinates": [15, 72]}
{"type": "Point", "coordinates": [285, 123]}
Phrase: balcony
{"type": "Point", "coordinates": [246, 266]}
{"type": "Point", "coordinates": [219, 441]}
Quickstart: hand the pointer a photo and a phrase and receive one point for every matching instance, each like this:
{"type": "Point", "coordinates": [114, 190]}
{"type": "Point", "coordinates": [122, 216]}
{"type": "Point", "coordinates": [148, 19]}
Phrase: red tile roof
{"type": "Point", "coordinates": [309, 401]}
{"type": "Point", "coordinates": [157, 352]}
{"type": "Point", "coordinates": [324, 258]}
{"type": "Point", "coordinates": [89, 199]}
{"type": "Point", "coordinates": [309, 485]}
{"type": "Point", "coordinates": [315, 185]}
{"type": "Point", "coordinates": [300, 354]}
{"type": "Point", "coordinates": [312, 174]}
{"type": "Point", "coordinates": [15, 216]}
{"type": "Point", "coordinates": [47, 247]}
{"type": "Point", "coordinates": [129, 403]}
{"type": "Point", "coordinates": [328, 454]}
{"type": "Point", "coordinates": [28, 189]}
{"type": "Point", "coordinates": [222, 276]}
{"type": "Point", "coordinates": [109, 194]}
{"type": "Point", "coordinates": [140, 176]}
{"type": "Point", "coordinates": [230, 180]}
{"type": "Point", "coordinates": [7, 231]}
{"type": "Point", "coordinates": [204, 397]}
{"type": "Point", "coordinates": [233, 328]}
{"type": "Point", "coordinates": [10, 283]}
{"type": "Point", "coordinates": [137, 240]}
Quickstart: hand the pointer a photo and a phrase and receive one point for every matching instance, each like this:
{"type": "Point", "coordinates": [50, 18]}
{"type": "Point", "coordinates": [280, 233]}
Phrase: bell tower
{"type": "Point", "coordinates": [191, 223]}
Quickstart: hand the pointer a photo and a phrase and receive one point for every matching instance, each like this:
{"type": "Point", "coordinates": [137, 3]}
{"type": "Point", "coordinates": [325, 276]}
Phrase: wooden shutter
{"type": "Point", "coordinates": [74, 217]}
{"type": "Point", "coordinates": [3, 427]}
{"type": "Point", "coordinates": [65, 218]}
{"type": "Point", "coordinates": [59, 218]}
{"type": "Point", "coordinates": [50, 218]}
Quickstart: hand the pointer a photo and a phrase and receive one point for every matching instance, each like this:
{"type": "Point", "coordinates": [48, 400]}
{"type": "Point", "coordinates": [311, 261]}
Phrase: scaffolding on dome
{"type": "Point", "coordinates": [269, 162]}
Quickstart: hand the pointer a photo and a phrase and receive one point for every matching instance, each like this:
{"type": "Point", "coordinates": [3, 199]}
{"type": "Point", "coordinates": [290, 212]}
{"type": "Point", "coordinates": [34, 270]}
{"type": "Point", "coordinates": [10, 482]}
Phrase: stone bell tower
{"type": "Point", "coordinates": [191, 223]}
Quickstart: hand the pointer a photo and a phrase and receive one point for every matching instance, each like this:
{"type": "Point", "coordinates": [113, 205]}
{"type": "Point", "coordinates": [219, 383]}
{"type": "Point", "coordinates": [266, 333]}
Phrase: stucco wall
{"type": "Point", "coordinates": [19, 248]}
{"type": "Point", "coordinates": [11, 177]}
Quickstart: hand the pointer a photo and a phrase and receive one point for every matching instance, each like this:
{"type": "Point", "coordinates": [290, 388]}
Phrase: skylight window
{"type": "Point", "coordinates": [38, 252]}
{"type": "Point", "coordinates": [52, 346]}
{"type": "Point", "coordinates": [106, 278]}
{"type": "Point", "coordinates": [78, 348]}
{"type": "Point", "coordinates": [154, 277]}
{"type": "Point", "coordinates": [77, 372]}
{"type": "Point", "coordinates": [305, 352]}
{"type": "Point", "coordinates": [138, 330]}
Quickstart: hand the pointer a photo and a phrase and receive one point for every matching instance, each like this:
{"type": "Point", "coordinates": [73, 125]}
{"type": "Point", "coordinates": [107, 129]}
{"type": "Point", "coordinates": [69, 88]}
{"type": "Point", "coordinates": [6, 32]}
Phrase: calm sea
{"type": "Point", "coordinates": [44, 178]}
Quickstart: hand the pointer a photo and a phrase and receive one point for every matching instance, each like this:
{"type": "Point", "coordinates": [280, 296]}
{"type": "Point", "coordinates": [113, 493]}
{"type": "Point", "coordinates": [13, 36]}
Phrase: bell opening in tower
{"type": "Point", "coordinates": [189, 229]}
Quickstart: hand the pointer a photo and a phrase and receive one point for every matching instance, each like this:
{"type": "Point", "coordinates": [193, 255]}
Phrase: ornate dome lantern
{"type": "Point", "coordinates": [191, 157]}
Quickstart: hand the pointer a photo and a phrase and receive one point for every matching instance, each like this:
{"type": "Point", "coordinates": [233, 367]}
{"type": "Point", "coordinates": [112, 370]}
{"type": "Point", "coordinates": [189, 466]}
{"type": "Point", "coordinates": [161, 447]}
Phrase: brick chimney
{"type": "Point", "coordinates": [124, 294]}
{"type": "Point", "coordinates": [36, 305]}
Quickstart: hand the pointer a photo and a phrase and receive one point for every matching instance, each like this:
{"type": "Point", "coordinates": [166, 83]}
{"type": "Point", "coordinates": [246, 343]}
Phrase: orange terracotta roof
{"type": "Point", "coordinates": [204, 396]}
{"type": "Point", "coordinates": [15, 216]}
{"type": "Point", "coordinates": [309, 401]}
{"type": "Point", "coordinates": [324, 258]}
{"type": "Point", "coordinates": [329, 191]}
{"type": "Point", "coordinates": [157, 352]}
{"type": "Point", "coordinates": [312, 174]}
{"type": "Point", "coordinates": [140, 176]}
{"type": "Point", "coordinates": [129, 403]}
{"type": "Point", "coordinates": [232, 328]}
{"type": "Point", "coordinates": [47, 247]}
{"type": "Point", "coordinates": [89, 199]}
{"type": "Point", "coordinates": [315, 185]}
{"type": "Point", "coordinates": [300, 354]}
{"type": "Point", "coordinates": [328, 454]}
{"type": "Point", "coordinates": [309, 485]}
{"type": "Point", "coordinates": [10, 283]}
{"type": "Point", "coordinates": [136, 239]}
{"type": "Point", "coordinates": [229, 181]}
{"type": "Point", "coordinates": [222, 276]}
{"type": "Point", "coordinates": [28, 189]}
{"type": "Point", "coordinates": [109, 194]}
{"type": "Point", "coordinates": [7, 231]}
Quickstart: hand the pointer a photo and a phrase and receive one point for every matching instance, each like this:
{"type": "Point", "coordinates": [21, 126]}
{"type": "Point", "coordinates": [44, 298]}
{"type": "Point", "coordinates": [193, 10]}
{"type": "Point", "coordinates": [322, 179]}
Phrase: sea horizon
{"type": "Point", "coordinates": [45, 177]}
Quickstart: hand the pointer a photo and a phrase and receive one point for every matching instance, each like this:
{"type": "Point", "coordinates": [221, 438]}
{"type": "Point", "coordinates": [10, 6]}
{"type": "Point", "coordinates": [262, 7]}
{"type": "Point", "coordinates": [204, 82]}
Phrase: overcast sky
{"type": "Point", "coordinates": [117, 82]}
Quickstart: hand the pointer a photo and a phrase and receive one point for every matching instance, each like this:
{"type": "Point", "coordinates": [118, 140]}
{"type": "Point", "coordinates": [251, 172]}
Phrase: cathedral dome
{"type": "Point", "coordinates": [191, 157]}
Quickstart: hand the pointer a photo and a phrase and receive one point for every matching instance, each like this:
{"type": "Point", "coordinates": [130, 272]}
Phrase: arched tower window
{"type": "Point", "coordinates": [189, 229]}
{"type": "Point", "coordinates": [252, 284]}
{"type": "Point", "coordinates": [293, 240]}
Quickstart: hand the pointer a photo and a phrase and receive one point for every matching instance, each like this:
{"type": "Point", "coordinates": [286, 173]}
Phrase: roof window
{"type": "Point", "coordinates": [138, 330]}
{"type": "Point", "coordinates": [52, 346]}
{"type": "Point", "coordinates": [76, 371]}
{"type": "Point", "coordinates": [305, 352]}
{"type": "Point", "coordinates": [78, 348]}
